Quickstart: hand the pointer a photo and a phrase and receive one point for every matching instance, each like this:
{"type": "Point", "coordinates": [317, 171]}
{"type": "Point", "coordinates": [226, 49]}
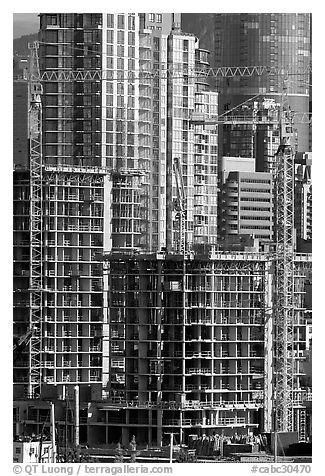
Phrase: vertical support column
{"type": "Point", "coordinates": [284, 299]}
{"type": "Point", "coordinates": [125, 435]}
{"type": "Point", "coordinates": [53, 433]}
{"type": "Point", "coordinates": [268, 346]}
{"type": "Point", "coordinates": [184, 316]}
{"type": "Point", "coordinates": [150, 426]}
{"type": "Point", "coordinates": [76, 389]}
{"type": "Point", "coordinates": [159, 426]}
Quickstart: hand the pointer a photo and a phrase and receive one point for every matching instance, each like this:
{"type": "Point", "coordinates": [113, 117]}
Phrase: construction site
{"type": "Point", "coordinates": [145, 317]}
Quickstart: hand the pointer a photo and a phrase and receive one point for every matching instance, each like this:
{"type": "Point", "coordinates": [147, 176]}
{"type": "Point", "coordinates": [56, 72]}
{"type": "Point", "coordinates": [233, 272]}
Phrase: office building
{"type": "Point", "coordinates": [247, 205]}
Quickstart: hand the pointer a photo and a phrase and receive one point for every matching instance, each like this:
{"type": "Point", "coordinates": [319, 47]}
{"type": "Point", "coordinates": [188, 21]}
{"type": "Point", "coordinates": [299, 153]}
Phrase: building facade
{"type": "Point", "coordinates": [247, 205]}
{"type": "Point", "coordinates": [20, 122]}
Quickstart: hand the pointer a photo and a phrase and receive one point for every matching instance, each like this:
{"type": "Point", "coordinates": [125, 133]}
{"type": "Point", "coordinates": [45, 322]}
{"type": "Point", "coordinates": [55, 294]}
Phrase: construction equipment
{"type": "Point", "coordinates": [180, 204]}
{"type": "Point", "coordinates": [172, 71]}
{"type": "Point", "coordinates": [23, 340]}
{"type": "Point", "coordinates": [36, 228]}
{"type": "Point", "coordinates": [284, 279]}
{"type": "Point", "coordinates": [283, 259]}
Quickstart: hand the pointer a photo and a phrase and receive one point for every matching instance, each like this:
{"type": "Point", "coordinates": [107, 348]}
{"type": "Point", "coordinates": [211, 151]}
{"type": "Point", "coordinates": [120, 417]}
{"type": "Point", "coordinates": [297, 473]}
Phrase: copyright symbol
{"type": "Point", "coordinates": [17, 469]}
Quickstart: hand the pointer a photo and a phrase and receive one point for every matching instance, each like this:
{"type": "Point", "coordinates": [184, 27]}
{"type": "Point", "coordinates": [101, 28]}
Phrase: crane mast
{"type": "Point", "coordinates": [284, 281]}
{"type": "Point", "coordinates": [36, 212]}
{"type": "Point", "coordinates": [180, 205]}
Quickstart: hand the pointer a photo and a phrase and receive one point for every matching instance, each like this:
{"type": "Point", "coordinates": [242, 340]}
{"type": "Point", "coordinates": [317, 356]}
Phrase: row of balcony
{"type": "Point", "coordinates": [73, 320]}
{"type": "Point", "coordinates": [65, 378]}
{"type": "Point", "coordinates": [69, 348]}
{"type": "Point", "coordinates": [186, 405]}
{"type": "Point", "coordinates": [66, 243]}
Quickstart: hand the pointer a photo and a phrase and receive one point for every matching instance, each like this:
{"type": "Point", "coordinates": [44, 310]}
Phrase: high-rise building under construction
{"type": "Point", "coordinates": [108, 144]}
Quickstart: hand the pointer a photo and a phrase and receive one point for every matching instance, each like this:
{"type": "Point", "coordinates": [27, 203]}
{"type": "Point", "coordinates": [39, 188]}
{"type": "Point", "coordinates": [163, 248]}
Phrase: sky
{"type": "Point", "coordinates": [25, 24]}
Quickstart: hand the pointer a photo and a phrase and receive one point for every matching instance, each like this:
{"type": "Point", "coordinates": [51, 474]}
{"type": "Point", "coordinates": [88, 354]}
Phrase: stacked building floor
{"type": "Point", "coordinates": [185, 347]}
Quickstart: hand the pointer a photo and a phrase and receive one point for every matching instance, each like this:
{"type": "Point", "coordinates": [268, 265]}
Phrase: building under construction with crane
{"type": "Point", "coordinates": [130, 315]}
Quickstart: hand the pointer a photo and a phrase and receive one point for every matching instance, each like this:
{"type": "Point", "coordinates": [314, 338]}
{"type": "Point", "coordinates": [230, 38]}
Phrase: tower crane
{"type": "Point", "coordinates": [36, 229]}
{"type": "Point", "coordinates": [283, 356]}
{"type": "Point", "coordinates": [283, 352]}
{"type": "Point", "coordinates": [283, 348]}
{"type": "Point", "coordinates": [180, 204]}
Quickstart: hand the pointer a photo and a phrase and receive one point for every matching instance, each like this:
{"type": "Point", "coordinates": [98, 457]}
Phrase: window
{"type": "Point", "coordinates": [110, 21]}
{"type": "Point", "coordinates": [120, 88]}
{"type": "Point", "coordinates": [131, 38]}
{"type": "Point", "coordinates": [110, 62]}
{"type": "Point", "coordinates": [87, 138]}
{"type": "Point", "coordinates": [87, 100]}
{"type": "Point", "coordinates": [110, 36]}
{"type": "Point", "coordinates": [131, 22]}
{"type": "Point", "coordinates": [120, 37]}
{"type": "Point", "coordinates": [120, 50]}
{"type": "Point", "coordinates": [120, 21]}
{"type": "Point", "coordinates": [151, 17]}
{"type": "Point", "coordinates": [156, 43]}
{"type": "Point", "coordinates": [159, 18]}
{"type": "Point", "coordinates": [109, 100]}
{"type": "Point", "coordinates": [263, 218]}
{"type": "Point", "coordinates": [120, 101]}
{"type": "Point", "coordinates": [109, 87]}
{"type": "Point", "coordinates": [256, 227]}
{"type": "Point", "coordinates": [249, 180]}
{"type": "Point", "coordinates": [109, 112]}
{"type": "Point", "coordinates": [52, 20]}
{"type": "Point", "coordinates": [120, 63]}
{"type": "Point", "coordinates": [254, 190]}
{"type": "Point", "coordinates": [88, 37]}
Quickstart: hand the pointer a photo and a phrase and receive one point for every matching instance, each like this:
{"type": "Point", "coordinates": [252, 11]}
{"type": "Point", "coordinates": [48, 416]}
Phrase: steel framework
{"type": "Point", "coordinates": [180, 205]}
{"type": "Point", "coordinates": [36, 211]}
{"type": "Point", "coordinates": [284, 283]}
{"type": "Point", "coordinates": [173, 72]}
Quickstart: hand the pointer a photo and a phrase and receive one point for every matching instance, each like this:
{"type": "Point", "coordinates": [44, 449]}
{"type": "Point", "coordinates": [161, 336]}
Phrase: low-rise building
{"type": "Point", "coordinates": [246, 204]}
